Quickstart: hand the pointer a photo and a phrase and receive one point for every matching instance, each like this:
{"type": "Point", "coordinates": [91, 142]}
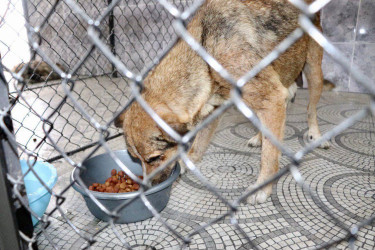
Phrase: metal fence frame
{"type": "Point", "coordinates": [179, 24]}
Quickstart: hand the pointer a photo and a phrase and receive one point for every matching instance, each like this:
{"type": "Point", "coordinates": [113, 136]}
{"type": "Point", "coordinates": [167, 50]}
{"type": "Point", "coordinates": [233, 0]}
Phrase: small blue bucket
{"type": "Point", "coordinates": [37, 194]}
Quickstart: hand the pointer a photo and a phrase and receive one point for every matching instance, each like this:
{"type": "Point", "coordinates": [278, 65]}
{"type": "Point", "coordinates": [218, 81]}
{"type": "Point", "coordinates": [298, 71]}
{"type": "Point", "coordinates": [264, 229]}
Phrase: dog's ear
{"type": "Point", "coordinates": [120, 120]}
{"type": "Point", "coordinates": [177, 119]}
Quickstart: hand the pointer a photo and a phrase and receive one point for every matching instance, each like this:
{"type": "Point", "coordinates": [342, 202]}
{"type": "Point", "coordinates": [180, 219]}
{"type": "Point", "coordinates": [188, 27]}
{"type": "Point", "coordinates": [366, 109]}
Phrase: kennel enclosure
{"type": "Point", "coordinates": [106, 49]}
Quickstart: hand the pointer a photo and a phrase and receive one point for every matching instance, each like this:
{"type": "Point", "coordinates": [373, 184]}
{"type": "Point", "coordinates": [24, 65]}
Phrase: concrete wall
{"type": "Point", "coordinates": [143, 28]}
{"type": "Point", "coordinates": [350, 25]}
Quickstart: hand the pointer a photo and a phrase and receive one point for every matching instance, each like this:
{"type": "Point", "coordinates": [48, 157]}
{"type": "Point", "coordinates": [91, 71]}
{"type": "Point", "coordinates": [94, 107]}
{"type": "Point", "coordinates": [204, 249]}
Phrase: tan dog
{"type": "Point", "coordinates": [183, 89]}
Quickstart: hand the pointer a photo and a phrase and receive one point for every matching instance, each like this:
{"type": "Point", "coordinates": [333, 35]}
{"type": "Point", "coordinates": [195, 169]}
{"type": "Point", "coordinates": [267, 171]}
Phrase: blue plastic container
{"type": "Point", "coordinates": [37, 194]}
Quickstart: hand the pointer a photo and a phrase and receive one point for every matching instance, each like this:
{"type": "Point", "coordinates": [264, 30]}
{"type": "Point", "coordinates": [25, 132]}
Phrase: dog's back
{"type": "Point", "coordinates": [231, 32]}
{"type": "Point", "coordinates": [238, 34]}
{"type": "Point", "coordinates": [183, 89]}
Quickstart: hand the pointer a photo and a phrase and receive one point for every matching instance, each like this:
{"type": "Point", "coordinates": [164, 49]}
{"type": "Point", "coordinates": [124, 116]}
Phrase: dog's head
{"type": "Point", "coordinates": [146, 141]}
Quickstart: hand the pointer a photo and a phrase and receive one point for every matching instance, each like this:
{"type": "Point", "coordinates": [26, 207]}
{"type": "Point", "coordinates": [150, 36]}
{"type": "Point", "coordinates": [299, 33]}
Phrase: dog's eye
{"type": "Point", "coordinates": [153, 158]}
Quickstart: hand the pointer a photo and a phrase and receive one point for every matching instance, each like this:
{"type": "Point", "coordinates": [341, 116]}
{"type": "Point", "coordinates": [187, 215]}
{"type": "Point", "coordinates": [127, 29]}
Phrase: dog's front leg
{"type": "Point", "coordinates": [201, 142]}
{"type": "Point", "coordinates": [272, 116]}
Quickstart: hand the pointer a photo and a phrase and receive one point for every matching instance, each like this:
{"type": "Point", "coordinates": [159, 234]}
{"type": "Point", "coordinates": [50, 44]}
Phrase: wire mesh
{"type": "Point", "coordinates": [116, 59]}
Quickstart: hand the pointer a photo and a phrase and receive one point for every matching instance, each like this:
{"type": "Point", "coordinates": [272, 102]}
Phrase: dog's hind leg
{"type": "Point", "coordinates": [314, 76]}
{"type": "Point", "coordinates": [255, 141]}
{"type": "Point", "coordinates": [292, 92]}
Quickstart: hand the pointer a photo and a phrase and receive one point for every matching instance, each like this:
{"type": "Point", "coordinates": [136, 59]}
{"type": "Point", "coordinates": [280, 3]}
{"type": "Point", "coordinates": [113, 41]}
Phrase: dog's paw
{"type": "Point", "coordinates": [260, 196]}
{"type": "Point", "coordinates": [257, 198]}
{"type": "Point", "coordinates": [255, 141]}
{"type": "Point", "coordinates": [324, 145]}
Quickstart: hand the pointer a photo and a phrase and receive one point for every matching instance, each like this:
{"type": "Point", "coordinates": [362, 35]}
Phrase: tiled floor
{"type": "Point", "coordinates": [342, 177]}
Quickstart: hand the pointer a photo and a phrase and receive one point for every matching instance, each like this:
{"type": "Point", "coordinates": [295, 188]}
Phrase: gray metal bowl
{"type": "Point", "coordinates": [99, 169]}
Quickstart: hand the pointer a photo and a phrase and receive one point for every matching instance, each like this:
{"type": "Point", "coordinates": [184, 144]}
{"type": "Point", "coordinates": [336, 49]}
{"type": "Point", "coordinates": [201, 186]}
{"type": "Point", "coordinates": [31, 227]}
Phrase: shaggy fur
{"type": "Point", "coordinates": [183, 89]}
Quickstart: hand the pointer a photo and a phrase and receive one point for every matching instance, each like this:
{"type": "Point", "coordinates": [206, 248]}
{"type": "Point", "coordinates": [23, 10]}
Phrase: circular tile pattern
{"type": "Point", "coordinates": [353, 149]}
{"type": "Point", "coordinates": [222, 169]}
{"type": "Point", "coordinates": [227, 139]}
{"type": "Point", "coordinates": [336, 113]}
{"type": "Point", "coordinates": [246, 131]}
{"type": "Point", "coordinates": [358, 142]}
{"type": "Point", "coordinates": [235, 138]}
{"type": "Point", "coordinates": [354, 194]}
{"type": "Point", "coordinates": [341, 178]}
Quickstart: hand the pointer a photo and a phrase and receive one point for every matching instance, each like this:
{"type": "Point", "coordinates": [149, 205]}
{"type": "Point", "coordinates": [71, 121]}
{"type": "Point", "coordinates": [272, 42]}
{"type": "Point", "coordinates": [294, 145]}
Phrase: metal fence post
{"type": "Point", "coordinates": [13, 216]}
{"type": "Point", "coordinates": [111, 23]}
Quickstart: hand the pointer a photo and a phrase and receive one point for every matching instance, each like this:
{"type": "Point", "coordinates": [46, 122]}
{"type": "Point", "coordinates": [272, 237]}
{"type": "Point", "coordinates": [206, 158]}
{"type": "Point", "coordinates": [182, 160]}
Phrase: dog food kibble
{"type": "Point", "coordinates": [113, 172]}
{"type": "Point", "coordinates": [119, 182]}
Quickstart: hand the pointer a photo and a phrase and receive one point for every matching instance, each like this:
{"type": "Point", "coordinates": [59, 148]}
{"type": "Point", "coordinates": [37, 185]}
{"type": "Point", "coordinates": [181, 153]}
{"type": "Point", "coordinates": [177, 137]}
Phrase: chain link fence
{"type": "Point", "coordinates": [112, 46]}
{"type": "Point", "coordinates": [137, 31]}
